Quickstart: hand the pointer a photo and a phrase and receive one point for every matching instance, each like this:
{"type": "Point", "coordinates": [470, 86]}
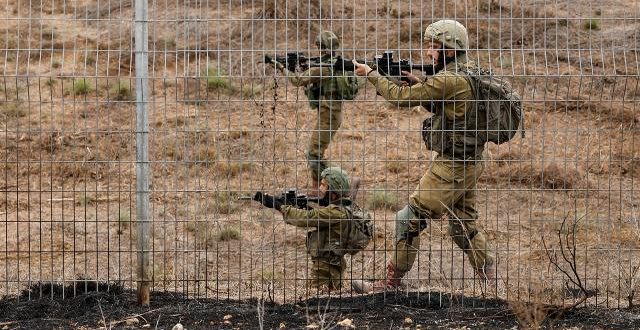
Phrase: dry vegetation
{"type": "Point", "coordinates": [67, 180]}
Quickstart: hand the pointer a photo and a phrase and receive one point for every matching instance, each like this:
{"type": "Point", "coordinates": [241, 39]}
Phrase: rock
{"type": "Point", "coordinates": [346, 323]}
{"type": "Point", "coordinates": [131, 321]}
{"type": "Point", "coordinates": [178, 326]}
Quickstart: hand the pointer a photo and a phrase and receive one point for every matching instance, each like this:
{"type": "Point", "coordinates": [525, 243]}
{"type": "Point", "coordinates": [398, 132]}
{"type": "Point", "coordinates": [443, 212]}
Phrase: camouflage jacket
{"type": "Point", "coordinates": [320, 86]}
{"type": "Point", "coordinates": [449, 97]}
{"type": "Point", "coordinates": [330, 223]}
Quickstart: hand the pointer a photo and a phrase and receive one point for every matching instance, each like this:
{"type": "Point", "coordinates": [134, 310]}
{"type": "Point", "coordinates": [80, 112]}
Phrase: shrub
{"type": "Point", "coordinates": [121, 91]}
{"type": "Point", "coordinates": [228, 234]}
{"type": "Point", "coordinates": [81, 86]}
{"type": "Point", "coordinates": [382, 199]}
{"type": "Point", "coordinates": [592, 24]}
{"type": "Point", "coordinates": [216, 81]}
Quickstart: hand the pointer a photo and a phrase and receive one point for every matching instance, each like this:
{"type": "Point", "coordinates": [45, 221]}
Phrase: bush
{"type": "Point", "coordinates": [216, 81]}
{"type": "Point", "coordinates": [592, 24]}
{"type": "Point", "coordinates": [121, 91]}
{"type": "Point", "coordinates": [81, 87]}
{"type": "Point", "coordinates": [228, 234]}
{"type": "Point", "coordinates": [382, 199]}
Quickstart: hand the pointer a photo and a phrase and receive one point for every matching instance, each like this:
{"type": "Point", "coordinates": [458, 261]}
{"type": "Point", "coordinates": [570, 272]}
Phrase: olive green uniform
{"type": "Point", "coordinates": [326, 243]}
{"type": "Point", "coordinates": [449, 184]}
{"type": "Point", "coordinates": [329, 106]}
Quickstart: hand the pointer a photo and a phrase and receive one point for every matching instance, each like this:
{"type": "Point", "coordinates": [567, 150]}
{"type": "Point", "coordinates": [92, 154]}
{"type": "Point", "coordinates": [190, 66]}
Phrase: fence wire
{"type": "Point", "coordinates": [222, 124]}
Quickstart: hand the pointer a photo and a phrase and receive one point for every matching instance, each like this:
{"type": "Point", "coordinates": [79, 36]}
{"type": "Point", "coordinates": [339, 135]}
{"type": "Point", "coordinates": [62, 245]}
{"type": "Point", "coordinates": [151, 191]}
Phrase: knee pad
{"type": "Point", "coordinates": [409, 224]}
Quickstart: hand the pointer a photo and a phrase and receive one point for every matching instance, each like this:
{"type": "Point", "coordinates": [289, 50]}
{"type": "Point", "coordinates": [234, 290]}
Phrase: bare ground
{"type": "Point", "coordinates": [98, 305]}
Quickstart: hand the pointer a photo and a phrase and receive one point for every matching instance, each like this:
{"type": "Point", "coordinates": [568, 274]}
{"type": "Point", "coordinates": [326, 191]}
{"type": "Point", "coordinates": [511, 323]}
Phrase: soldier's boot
{"type": "Point", "coordinates": [326, 277]}
{"type": "Point", "coordinates": [486, 273]}
{"type": "Point", "coordinates": [313, 189]}
{"type": "Point", "coordinates": [354, 186]}
{"type": "Point", "coordinates": [316, 166]}
{"type": "Point", "coordinates": [393, 281]}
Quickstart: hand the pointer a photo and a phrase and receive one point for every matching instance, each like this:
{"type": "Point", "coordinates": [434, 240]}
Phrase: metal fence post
{"type": "Point", "coordinates": [143, 266]}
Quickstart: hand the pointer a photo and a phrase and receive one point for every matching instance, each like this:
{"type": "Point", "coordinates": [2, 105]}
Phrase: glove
{"type": "Point", "coordinates": [268, 59]}
{"type": "Point", "coordinates": [267, 200]}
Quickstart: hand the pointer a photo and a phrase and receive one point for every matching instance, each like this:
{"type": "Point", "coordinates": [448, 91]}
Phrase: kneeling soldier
{"type": "Point", "coordinates": [339, 227]}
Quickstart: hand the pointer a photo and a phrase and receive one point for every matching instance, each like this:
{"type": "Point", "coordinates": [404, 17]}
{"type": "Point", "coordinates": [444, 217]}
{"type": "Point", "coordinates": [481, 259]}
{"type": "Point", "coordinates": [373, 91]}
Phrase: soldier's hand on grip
{"type": "Point", "coordinates": [268, 59]}
{"type": "Point", "coordinates": [267, 200]}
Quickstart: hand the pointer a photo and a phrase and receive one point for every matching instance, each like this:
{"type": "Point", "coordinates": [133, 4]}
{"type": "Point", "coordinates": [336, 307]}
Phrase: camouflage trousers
{"type": "Point", "coordinates": [327, 124]}
{"type": "Point", "coordinates": [327, 266]}
{"type": "Point", "coordinates": [447, 187]}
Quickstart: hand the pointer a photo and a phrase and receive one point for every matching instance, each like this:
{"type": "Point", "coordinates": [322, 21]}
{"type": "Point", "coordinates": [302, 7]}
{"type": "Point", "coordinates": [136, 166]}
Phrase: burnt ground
{"type": "Point", "coordinates": [95, 305]}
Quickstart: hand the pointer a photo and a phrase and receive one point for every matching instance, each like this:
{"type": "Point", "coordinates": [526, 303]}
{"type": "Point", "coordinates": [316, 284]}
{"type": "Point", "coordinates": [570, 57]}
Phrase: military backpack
{"type": "Point", "coordinates": [341, 86]}
{"type": "Point", "coordinates": [496, 117]}
{"type": "Point", "coordinates": [359, 231]}
{"type": "Point", "coordinates": [498, 106]}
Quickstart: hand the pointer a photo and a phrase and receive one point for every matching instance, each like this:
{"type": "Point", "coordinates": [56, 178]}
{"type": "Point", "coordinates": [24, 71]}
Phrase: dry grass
{"type": "Point", "coordinates": [518, 165]}
{"type": "Point", "coordinates": [12, 110]}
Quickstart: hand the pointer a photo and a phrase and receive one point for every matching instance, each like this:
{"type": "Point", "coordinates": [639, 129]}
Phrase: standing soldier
{"type": "Point", "coordinates": [449, 184]}
{"type": "Point", "coordinates": [326, 89]}
{"type": "Point", "coordinates": [340, 227]}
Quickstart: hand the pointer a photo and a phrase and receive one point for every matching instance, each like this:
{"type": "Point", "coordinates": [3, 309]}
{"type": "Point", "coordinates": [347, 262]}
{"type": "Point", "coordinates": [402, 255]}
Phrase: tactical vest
{"type": "Point", "coordinates": [338, 87]}
{"type": "Point", "coordinates": [453, 138]}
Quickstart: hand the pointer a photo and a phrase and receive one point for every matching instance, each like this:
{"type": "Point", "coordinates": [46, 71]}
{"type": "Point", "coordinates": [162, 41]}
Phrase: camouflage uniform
{"type": "Point", "coordinates": [322, 89]}
{"type": "Point", "coordinates": [335, 230]}
{"type": "Point", "coordinates": [325, 242]}
{"type": "Point", "coordinates": [449, 184]}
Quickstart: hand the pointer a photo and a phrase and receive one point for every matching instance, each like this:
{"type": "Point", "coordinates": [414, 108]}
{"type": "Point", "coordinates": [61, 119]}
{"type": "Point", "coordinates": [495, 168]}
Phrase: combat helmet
{"type": "Point", "coordinates": [337, 180]}
{"type": "Point", "coordinates": [452, 34]}
{"type": "Point", "coordinates": [327, 40]}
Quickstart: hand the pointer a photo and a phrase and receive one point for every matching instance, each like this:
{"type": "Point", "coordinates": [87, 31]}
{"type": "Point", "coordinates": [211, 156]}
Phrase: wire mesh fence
{"type": "Point", "coordinates": [558, 205]}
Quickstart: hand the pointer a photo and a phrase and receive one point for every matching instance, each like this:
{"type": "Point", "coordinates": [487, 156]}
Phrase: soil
{"type": "Point", "coordinates": [116, 308]}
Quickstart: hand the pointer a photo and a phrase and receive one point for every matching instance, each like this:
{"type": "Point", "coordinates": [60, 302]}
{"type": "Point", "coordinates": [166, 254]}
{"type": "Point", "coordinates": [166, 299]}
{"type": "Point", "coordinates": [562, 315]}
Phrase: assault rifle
{"type": "Point", "coordinates": [293, 60]}
{"type": "Point", "coordinates": [291, 197]}
{"type": "Point", "coordinates": [384, 63]}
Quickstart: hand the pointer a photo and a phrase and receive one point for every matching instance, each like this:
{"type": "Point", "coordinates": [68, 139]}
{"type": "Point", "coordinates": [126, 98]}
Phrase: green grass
{"type": "Point", "coordinates": [124, 222]}
{"type": "Point", "coordinates": [89, 59]}
{"type": "Point", "coordinates": [82, 86]}
{"type": "Point", "coordinates": [216, 80]}
{"type": "Point", "coordinates": [592, 24]}
{"type": "Point", "coordinates": [228, 234]}
{"type": "Point", "coordinates": [121, 91]}
{"type": "Point", "coordinates": [382, 199]}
